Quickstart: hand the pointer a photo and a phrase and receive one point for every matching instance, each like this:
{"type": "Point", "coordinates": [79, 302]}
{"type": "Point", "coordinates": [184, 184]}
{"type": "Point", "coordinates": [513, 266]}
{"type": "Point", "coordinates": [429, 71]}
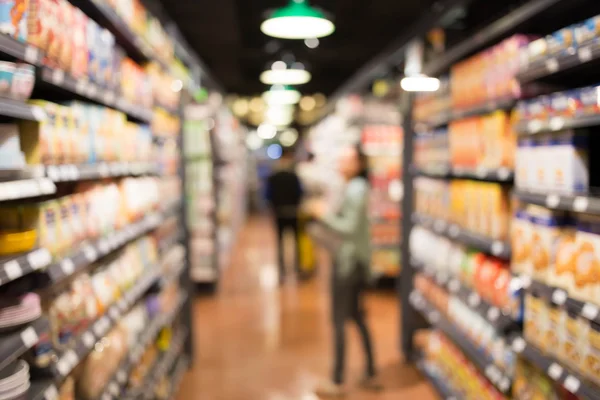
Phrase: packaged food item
{"type": "Point", "coordinates": [591, 359]}
{"type": "Point", "coordinates": [589, 97]}
{"type": "Point", "coordinates": [555, 334]}
{"type": "Point", "coordinates": [39, 140]}
{"type": "Point", "coordinates": [588, 31]}
{"type": "Point", "coordinates": [521, 234]}
{"type": "Point", "coordinates": [561, 41]}
{"type": "Point", "coordinates": [537, 50]}
{"type": "Point", "coordinates": [13, 18]}
{"type": "Point", "coordinates": [547, 226]}
{"type": "Point", "coordinates": [569, 166]}
{"type": "Point", "coordinates": [587, 258]}
{"type": "Point", "coordinates": [22, 82]}
{"type": "Point", "coordinates": [79, 61]}
{"type": "Point", "coordinates": [7, 71]}
{"type": "Point", "coordinates": [564, 271]}
{"type": "Point", "coordinates": [535, 322]}
{"type": "Point", "coordinates": [576, 334]}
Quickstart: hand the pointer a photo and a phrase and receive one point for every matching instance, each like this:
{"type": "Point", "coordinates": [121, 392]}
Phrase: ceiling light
{"type": "Point", "coordinates": [297, 20]}
{"type": "Point", "coordinates": [285, 77]}
{"type": "Point", "coordinates": [320, 99]}
{"type": "Point", "coordinates": [281, 95]}
{"type": "Point", "coordinates": [278, 66]}
{"type": "Point", "coordinates": [420, 83]}
{"type": "Point", "coordinates": [256, 105]}
{"type": "Point", "coordinates": [266, 131]}
{"type": "Point", "coordinates": [288, 137]}
{"type": "Point", "coordinates": [253, 141]}
{"type": "Point", "coordinates": [274, 151]}
{"type": "Point", "coordinates": [312, 43]}
{"type": "Point", "coordinates": [240, 107]}
{"type": "Point", "coordinates": [307, 103]}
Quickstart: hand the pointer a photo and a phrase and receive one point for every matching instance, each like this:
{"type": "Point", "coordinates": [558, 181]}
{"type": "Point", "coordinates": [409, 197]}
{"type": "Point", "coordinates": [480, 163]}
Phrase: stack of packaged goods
{"type": "Point", "coordinates": [80, 303]}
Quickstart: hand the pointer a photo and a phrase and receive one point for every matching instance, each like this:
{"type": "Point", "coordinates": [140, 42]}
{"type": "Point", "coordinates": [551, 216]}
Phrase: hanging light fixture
{"type": "Point", "coordinates": [284, 74]}
{"type": "Point", "coordinates": [420, 83]}
{"type": "Point", "coordinates": [279, 94]}
{"type": "Point", "coordinates": [297, 20]}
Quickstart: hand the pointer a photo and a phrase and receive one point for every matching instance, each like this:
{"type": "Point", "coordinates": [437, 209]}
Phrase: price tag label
{"type": "Point", "coordinates": [67, 266]}
{"type": "Point", "coordinates": [474, 299]}
{"type": "Point", "coordinates": [109, 97]}
{"type": "Point", "coordinates": [103, 170]}
{"type": "Point", "coordinates": [504, 384]}
{"type": "Point", "coordinates": [584, 54]}
{"type": "Point", "coordinates": [31, 54]}
{"type": "Point", "coordinates": [81, 87]}
{"type": "Point", "coordinates": [53, 173]}
{"type": "Point", "coordinates": [552, 65]}
{"type": "Point", "coordinates": [518, 345]}
{"type": "Point", "coordinates": [92, 90]}
{"type": "Point", "coordinates": [534, 126]}
{"type": "Point", "coordinates": [454, 231]}
{"type": "Point", "coordinates": [555, 371]}
{"type": "Point", "coordinates": [51, 393]}
{"type": "Point", "coordinates": [38, 113]}
{"type": "Point", "coordinates": [580, 204]}
{"type": "Point", "coordinates": [88, 339]}
{"type": "Point", "coordinates": [39, 259]}
{"type": "Point", "coordinates": [503, 173]}
{"type": "Point", "coordinates": [559, 297]}
{"type": "Point", "coordinates": [590, 311]}
{"type": "Point", "coordinates": [493, 314]}
{"type": "Point", "coordinates": [65, 173]}
{"type": "Point", "coordinates": [13, 269]}
{"type": "Point", "coordinates": [572, 384]}
{"type": "Point", "coordinates": [439, 226]}
{"type": "Point", "coordinates": [46, 186]}
{"type": "Point", "coordinates": [90, 253]}
{"type": "Point", "coordinates": [121, 377]}
{"type": "Point", "coordinates": [103, 246]}
{"type": "Point", "coordinates": [552, 201]}
{"type": "Point", "coordinates": [497, 248]}
{"type": "Point", "coordinates": [114, 389]}
{"type": "Point", "coordinates": [481, 172]}
{"type": "Point", "coordinates": [58, 77]}
{"type": "Point", "coordinates": [29, 337]}
{"type": "Point", "coordinates": [525, 281]}
{"type": "Point", "coordinates": [556, 123]}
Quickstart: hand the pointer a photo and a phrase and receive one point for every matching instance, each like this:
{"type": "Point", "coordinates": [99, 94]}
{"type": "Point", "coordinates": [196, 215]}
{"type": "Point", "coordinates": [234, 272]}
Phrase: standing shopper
{"type": "Point", "coordinates": [284, 194]}
{"type": "Point", "coordinates": [351, 266]}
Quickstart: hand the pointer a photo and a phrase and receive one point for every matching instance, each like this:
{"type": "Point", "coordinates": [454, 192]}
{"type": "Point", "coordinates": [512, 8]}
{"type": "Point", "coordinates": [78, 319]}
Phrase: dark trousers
{"type": "Point", "coordinates": [347, 296]}
{"type": "Point", "coordinates": [284, 224]}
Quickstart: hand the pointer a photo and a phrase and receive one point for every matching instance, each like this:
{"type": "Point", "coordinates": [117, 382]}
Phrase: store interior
{"type": "Point", "coordinates": [143, 251]}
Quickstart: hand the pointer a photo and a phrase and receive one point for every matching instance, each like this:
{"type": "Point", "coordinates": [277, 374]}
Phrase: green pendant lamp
{"type": "Point", "coordinates": [297, 20]}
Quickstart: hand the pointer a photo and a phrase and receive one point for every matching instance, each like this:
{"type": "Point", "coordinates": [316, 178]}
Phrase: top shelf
{"type": "Point", "coordinates": [106, 17]}
{"type": "Point", "coordinates": [553, 65]}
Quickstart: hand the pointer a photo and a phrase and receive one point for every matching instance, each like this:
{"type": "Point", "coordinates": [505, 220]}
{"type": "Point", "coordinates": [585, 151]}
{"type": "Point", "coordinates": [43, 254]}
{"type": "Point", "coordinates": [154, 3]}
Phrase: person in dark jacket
{"type": "Point", "coordinates": [284, 194]}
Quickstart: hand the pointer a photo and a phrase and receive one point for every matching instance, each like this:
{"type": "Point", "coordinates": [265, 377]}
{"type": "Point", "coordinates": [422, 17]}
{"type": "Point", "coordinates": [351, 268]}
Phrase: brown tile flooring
{"type": "Point", "coordinates": [256, 341]}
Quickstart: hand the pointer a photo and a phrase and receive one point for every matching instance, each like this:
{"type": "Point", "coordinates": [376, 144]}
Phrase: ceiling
{"type": "Point", "coordinates": [226, 36]}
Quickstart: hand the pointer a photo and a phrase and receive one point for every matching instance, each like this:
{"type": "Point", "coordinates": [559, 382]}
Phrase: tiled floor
{"type": "Point", "coordinates": [257, 341]}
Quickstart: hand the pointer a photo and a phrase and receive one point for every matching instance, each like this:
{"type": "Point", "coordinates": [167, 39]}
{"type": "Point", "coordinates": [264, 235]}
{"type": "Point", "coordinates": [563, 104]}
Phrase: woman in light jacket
{"type": "Point", "coordinates": [351, 267]}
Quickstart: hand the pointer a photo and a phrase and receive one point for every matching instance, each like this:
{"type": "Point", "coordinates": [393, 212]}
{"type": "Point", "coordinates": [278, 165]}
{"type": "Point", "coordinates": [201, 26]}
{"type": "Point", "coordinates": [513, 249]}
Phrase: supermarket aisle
{"type": "Point", "coordinates": [258, 342]}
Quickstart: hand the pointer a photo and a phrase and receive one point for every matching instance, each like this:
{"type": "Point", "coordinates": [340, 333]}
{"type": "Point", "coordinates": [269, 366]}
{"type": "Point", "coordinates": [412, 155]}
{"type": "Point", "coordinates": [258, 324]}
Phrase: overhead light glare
{"type": "Point", "coordinates": [266, 131]}
{"type": "Point", "coordinates": [311, 43]}
{"type": "Point", "coordinates": [288, 137]}
{"type": "Point", "coordinates": [278, 66]}
{"type": "Point", "coordinates": [420, 83]}
{"type": "Point", "coordinates": [285, 77]}
{"type": "Point", "coordinates": [297, 20]}
{"type": "Point", "coordinates": [281, 95]}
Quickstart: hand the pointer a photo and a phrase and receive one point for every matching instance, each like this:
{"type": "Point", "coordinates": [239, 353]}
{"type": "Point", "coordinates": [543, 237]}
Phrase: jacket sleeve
{"type": "Point", "coordinates": [346, 220]}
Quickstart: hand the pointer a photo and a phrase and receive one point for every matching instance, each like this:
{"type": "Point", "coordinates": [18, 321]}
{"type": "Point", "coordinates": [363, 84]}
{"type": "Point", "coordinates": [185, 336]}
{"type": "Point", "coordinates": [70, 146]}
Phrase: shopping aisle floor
{"type": "Point", "coordinates": [257, 341]}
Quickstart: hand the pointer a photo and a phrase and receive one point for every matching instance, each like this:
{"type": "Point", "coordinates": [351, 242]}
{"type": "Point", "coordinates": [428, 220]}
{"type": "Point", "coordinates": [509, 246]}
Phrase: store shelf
{"type": "Point", "coordinates": [71, 172]}
{"type": "Point", "coordinates": [90, 91]}
{"type": "Point", "coordinates": [584, 54]}
{"type": "Point", "coordinates": [26, 188]}
{"type": "Point", "coordinates": [20, 50]}
{"type": "Point", "coordinates": [14, 267]}
{"type": "Point", "coordinates": [481, 361]}
{"type": "Point", "coordinates": [498, 318]}
{"type": "Point", "coordinates": [42, 390]}
{"type": "Point", "coordinates": [19, 109]}
{"type": "Point", "coordinates": [454, 115]}
{"type": "Point", "coordinates": [556, 370]}
{"type": "Point", "coordinates": [165, 364]}
{"type": "Point", "coordinates": [84, 344]}
{"type": "Point", "coordinates": [118, 383]}
{"type": "Point", "coordinates": [560, 297]}
{"type": "Point", "coordinates": [442, 389]}
{"type": "Point", "coordinates": [502, 175]}
{"type": "Point", "coordinates": [177, 376]}
{"type": "Point", "coordinates": [576, 203]}
{"type": "Point", "coordinates": [556, 124]}
{"type": "Point", "coordinates": [89, 253]}
{"type": "Point", "coordinates": [13, 345]}
{"type": "Point", "coordinates": [497, 248]}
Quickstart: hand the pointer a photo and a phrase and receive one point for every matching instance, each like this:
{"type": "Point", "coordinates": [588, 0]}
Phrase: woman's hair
{"type": "Point", "coordinates": [363, 162]}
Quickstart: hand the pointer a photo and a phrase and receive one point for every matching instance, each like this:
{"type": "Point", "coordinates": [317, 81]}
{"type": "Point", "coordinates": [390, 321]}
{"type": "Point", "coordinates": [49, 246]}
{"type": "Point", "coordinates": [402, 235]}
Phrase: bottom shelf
{"type": "Point", "coordinates": [443, 391]}
{"type": "Point", "coordinates": [177, 377]}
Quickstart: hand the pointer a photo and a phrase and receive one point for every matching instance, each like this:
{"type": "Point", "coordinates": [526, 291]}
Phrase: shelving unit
{"type": "Point", "coordinates": [51, 271]}
{"type": "Point", "coordinates": [557, 70]}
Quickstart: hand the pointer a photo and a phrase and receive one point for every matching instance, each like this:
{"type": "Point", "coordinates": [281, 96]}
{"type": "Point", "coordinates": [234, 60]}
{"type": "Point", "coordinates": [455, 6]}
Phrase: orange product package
{"type": "Point", "coordinates": [79, 60]}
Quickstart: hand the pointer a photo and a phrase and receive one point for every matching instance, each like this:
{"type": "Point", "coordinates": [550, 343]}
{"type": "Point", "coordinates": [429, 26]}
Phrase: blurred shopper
{"type": "Point", "coordinates": [284, 193]}
{"type": "Point", "coordinates": [351, 266]}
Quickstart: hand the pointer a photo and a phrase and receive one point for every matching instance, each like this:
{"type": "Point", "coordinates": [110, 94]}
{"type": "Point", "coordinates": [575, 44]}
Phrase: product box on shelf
{"type": "Point", "coordinates": [587, 259]}
{"type": "Point", "coordinates": [13, 19]}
